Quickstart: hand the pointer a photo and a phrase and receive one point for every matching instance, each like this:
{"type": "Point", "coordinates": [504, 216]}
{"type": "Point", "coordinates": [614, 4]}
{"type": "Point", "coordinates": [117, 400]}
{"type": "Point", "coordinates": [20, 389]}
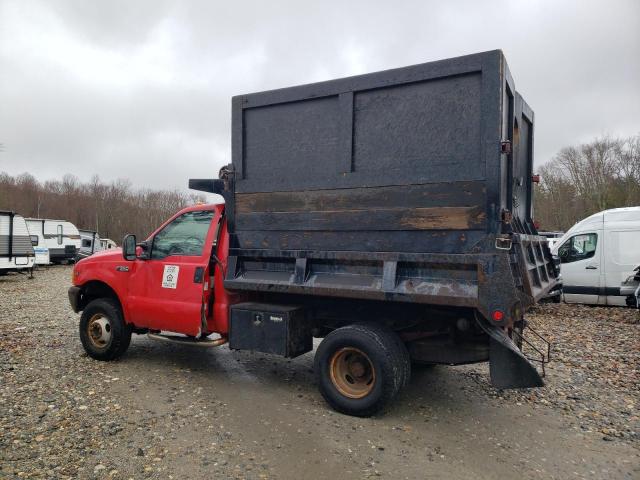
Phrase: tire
{"type": "Point", "coordinates": [103, 332]}
{"type": "Point", "coordinates": [361, 368]}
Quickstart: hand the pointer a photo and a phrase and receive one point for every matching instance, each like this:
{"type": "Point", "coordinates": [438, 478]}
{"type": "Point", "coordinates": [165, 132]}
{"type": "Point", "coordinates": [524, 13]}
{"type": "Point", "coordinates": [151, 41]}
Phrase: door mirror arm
{"type": "Point", "coordinates": [215, 258]}
{"type": "Point", "coordinates": [142, 252]}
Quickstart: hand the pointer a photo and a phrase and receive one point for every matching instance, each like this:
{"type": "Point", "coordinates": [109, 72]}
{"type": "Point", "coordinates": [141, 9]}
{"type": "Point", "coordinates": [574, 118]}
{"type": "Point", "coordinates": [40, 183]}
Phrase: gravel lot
{"type": "Point", "coordinates": [166, 411]}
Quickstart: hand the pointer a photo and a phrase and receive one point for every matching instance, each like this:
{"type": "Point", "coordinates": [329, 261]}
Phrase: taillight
{"type": "Point", "coordinates": [497, 315]}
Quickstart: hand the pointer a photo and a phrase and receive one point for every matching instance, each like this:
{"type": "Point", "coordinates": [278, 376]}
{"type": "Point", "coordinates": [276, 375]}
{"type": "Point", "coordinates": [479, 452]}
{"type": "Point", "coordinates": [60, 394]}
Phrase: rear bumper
{"type": "Point", "coordinates": [74, 298]}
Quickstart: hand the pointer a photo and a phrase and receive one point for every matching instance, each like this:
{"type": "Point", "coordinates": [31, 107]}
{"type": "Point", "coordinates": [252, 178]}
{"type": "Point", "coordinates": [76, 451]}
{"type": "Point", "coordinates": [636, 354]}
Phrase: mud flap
{"type": "Point", "coordinates": [509, 368]}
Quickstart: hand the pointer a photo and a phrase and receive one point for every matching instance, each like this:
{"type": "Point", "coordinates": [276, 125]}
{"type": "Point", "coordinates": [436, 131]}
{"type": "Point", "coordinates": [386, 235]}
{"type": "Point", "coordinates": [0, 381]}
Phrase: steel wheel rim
{"type": "Point", "coordinates": [99, 330]}
{"type": "Point", "coordinates": [352, 372]}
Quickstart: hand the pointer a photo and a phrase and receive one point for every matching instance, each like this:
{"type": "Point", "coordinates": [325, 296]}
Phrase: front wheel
{"type": "Point", "coordinates": [361, 368]}
{"type": "Point", "coordinates": [103, 332]}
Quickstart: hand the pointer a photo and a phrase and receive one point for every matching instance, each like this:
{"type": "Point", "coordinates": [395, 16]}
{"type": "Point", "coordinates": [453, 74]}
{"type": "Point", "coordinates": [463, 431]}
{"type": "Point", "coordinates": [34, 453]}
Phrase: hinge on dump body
{"type": "Point", "coordinates": [226, 172]}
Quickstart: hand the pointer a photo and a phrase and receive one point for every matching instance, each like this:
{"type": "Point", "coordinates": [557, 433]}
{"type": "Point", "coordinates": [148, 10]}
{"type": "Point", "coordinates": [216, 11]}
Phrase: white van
{"type": "Point", "coordinates": [552, 237]}
{"type": "Point", "coordinates": [16, 251]}
{"type": "Point", "coordinates": [62, 238]}
{"type": "Point", "coordinates": [598, 254]}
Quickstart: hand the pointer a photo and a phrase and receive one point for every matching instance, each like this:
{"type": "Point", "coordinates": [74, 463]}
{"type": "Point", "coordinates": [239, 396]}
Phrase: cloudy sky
{"type": "Point", "coordinates": [141, 89]}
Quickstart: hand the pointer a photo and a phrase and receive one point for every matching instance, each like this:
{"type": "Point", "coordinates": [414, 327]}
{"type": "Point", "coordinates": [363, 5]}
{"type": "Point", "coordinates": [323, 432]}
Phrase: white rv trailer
{"type": "Point", "coordinates": [38, 243]}
{"type": "Point", "coordinates": [107, 244]}
{"type": "Point", "coordinates": [89, 243]}
{"type": "Point", "coordinates": [16, 251]}
{"type": "Point", "coordinates": [62, 238]}
{"type": "Point", "coordinates": [598, 254]}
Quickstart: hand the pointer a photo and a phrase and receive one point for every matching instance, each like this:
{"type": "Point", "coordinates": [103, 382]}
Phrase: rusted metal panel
{"type": "Point", "coordinates": [443, 194]}
{"type": "Point", "coordinates": [372, 220]}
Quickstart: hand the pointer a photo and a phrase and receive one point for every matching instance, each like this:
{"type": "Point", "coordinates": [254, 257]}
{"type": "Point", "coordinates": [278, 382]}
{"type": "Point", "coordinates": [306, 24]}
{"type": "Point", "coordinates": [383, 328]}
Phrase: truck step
{"type": "Point", "coordinates": [206, 342]}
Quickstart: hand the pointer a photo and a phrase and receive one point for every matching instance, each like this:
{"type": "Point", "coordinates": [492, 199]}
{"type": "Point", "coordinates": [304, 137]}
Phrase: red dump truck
{"type": "Point", "coordinates": [387, 213]}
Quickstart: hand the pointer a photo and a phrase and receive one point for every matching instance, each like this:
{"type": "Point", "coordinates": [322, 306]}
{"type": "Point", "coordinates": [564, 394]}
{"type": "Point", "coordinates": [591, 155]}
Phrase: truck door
{"type": "Point", "coordinates": [170, 290]}
{"type": "Point", "coordinates": [581, 268]}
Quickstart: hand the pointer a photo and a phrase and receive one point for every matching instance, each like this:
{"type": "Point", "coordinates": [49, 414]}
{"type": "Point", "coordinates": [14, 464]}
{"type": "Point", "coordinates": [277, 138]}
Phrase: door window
{"type": "Point", "coordinates": [578, 247]}
{"type": "Point", "coordinates": [185, 235]}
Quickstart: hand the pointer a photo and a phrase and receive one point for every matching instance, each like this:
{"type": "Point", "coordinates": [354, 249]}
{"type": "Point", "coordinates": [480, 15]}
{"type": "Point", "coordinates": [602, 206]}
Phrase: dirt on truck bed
{"type": "Point", "coordinates": [168, 411]}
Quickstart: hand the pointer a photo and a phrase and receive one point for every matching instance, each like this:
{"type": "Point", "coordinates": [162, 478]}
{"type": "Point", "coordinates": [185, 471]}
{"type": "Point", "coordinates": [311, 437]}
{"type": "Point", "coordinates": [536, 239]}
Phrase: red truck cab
{"type": "Point", "coordinates": [174, 283]}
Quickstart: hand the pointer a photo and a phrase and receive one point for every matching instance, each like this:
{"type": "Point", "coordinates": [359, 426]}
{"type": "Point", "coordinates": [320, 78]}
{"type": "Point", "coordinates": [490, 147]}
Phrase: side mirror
{"type": "Point", "coordinates": [129, 247]}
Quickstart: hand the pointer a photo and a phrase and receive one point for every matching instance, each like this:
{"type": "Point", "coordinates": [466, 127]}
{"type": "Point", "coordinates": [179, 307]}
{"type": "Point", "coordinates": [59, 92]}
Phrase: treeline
{"type": "Point", "coordinates": [577, 182]}
{"type": "Point", "coordinates": [112, 209]}
{"type": "Point", "coordinates": [586, 179]}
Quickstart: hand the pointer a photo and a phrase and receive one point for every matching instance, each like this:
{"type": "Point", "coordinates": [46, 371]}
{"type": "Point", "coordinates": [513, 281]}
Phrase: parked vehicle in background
{"type": "Point", "coordinates": [389, 214]}
{"type": "Point", "coordinates": [552, 237]}
{"type": "Point", "coordinates": [597, 254]}
{"type": "Point", "coordinates": [62, 238]}
{"type": "Point", "coordinates": [42, 254]}
{"type": "Point", "coordinates": [16, 251]}
{"type": "Point", "coordinates": [107, 244]}
{"type": "Point", "coordinates": [39, 245]}
{"type": "Point", "coordinates": [630, 289]}
{"type": "Point", "coordinates": [89, 243]}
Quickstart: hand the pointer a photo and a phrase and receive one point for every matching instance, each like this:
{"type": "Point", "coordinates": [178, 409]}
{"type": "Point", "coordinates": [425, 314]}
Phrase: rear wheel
{"type": "Point", "coordinates": [103, 332]}
{"type": "Point", "coordinates": [361, 368]}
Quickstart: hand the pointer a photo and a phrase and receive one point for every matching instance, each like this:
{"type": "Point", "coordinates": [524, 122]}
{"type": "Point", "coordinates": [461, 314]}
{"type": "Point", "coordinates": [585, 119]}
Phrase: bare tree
{"type": "Point", "coordinates": [589, 178]}
{"type": "Point", "coordinates": [113, 209]}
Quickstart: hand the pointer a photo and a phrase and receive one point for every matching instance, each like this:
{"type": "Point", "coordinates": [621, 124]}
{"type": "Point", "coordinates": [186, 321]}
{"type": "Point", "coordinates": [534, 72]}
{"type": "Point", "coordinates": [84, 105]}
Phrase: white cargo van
{"type": "Point", "coordinates": [16, 251]}
{"type": "Point", "coordinates": [552, 237]}
{"type": "Point", "coordinates": [62, 238]}
{"type": "Point", "coordinates": [598, 254]}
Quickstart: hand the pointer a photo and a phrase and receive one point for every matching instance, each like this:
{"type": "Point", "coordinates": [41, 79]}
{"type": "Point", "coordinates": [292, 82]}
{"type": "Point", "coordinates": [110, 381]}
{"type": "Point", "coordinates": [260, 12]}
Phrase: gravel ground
{"type": "Point", "coordinates": [166, 411]}
{"type": "Point", "coordinates": [594, 376]}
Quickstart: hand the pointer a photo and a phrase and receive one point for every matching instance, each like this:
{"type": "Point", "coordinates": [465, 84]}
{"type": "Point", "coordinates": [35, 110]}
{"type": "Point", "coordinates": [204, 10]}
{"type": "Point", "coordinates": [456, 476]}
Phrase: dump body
{"type": "Point", "coordinates": [412, 184]}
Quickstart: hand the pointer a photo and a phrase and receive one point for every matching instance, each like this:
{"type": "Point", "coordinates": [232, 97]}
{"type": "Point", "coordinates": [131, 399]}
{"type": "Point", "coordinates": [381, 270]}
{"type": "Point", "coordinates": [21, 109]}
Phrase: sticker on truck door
{"type": "Point", "coordinates": [170, 276]}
